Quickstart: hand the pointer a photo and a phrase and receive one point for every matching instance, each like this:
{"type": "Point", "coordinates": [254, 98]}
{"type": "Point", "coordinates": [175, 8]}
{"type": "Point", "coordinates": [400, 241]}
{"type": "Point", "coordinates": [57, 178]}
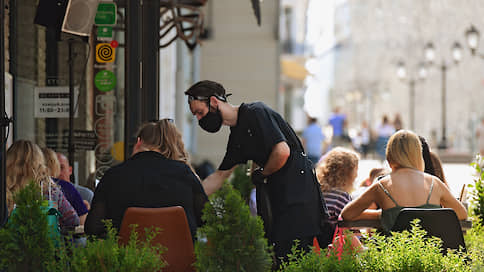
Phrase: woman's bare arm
{"type": "Point", "coordinates": [357, 209]}
{"type": "Point", "coordinates": [447, 200]}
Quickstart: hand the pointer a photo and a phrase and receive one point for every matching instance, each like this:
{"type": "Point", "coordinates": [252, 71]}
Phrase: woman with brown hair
{"type": "Point", "coordinates": [158, 174]}
{"type": "Point", "coordinates": [406, 186]}
{"type": "Point", "coordinates": [26, 163]}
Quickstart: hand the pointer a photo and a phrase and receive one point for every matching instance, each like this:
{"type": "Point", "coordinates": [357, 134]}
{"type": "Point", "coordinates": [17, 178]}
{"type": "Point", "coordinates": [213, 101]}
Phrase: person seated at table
{"type": "Point", "coordinates": [158, 174]}
{"type": "Point", "coordinates": [336, 173]}
{"type": "Point", "coordinates": [438, 170]}
{"type": "Point", "coordinates": [70, 192]}
{"type": "Point", "coordinates": [26, 163]}
{"type": "Point", "coordinates": [406, 186]}
{"type": "Point", "coordinates": [432, 162]}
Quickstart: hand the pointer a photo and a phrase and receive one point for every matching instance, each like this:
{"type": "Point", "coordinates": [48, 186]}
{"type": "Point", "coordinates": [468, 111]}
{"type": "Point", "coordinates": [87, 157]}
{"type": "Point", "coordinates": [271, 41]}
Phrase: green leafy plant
{"type": "Point", "coordinates": [326, 260]}
{"type": "Point", "coordinates": [108, 255]}
{"type": "Point", "coordinates": [474, 239]}
{"type": "Point", "coordinates": [477, 199]}
{"type": "Point", "coordinates": [231, 239]}
{"type": "Point", "coordinates": [403, 251]}
{"type": "Point", "coordinates": [27, 246]}
{"type": "Point", "coordinates": [241, 181]}
{"type": "Point", "coordinates": [409, 251]}
{"type": "Point", "coordinates": [25, 242]}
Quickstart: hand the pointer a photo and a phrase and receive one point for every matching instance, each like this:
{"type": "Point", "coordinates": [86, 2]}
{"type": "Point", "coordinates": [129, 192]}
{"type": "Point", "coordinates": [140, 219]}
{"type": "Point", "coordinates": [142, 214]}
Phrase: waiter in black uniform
{"type": "Point", "coordinates": [260, 134]}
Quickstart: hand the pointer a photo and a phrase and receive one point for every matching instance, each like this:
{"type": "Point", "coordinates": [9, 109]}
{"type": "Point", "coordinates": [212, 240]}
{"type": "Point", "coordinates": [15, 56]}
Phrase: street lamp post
{"type": "Point", "coordinates": [472, 37]}
{"type": "Point", "coordinates": [430, 56]}
{"type": "Point", "coordinates": [402, 74]}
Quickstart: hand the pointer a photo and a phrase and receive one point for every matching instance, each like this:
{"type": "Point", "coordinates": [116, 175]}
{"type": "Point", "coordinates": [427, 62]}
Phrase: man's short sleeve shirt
{"type": "Point", "coordinates": [257, 131]}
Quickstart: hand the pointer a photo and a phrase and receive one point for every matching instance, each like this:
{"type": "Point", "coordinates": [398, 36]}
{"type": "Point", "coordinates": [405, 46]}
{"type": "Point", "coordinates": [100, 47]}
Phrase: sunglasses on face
{"type": "Point", "coordinates": [201, 98]}
{"type": "Point", "coordinates": [205, 98]}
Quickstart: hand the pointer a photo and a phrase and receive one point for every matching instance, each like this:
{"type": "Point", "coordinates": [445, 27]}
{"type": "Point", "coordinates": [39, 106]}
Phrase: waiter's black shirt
{"type": "Point", "coordinates": [295, 200]}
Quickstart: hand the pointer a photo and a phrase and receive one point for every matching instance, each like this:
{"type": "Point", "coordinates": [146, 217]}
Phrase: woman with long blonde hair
{"type": "Point", "coordinates": [406, 186]}
{"type": "Point", "coordinates": [157, 174]}
{"type": "Point", "coordinates": [26, 163]}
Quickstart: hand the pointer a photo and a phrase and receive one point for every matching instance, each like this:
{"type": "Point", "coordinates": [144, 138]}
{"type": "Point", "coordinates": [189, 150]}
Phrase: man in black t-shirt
{"type": "Point", "coordinates": [260, 134]}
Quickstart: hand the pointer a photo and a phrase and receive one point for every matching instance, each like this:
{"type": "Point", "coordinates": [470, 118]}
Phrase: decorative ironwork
{"type": "Point", "coordinates": [181, 19]}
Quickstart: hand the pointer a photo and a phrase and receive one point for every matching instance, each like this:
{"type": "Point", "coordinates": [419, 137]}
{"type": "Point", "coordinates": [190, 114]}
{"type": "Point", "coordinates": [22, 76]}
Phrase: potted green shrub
{"type": "Point", "coordinates": [25, 241]}
{"type": "Point", "coordinates": [108, 255]}
{"type": "Point", "coordinates": [231, 239]}
{"type": "Point", "coordinates": [241, 181]}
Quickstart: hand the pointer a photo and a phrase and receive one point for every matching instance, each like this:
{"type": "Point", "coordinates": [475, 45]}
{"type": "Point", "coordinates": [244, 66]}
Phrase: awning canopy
{"type": "Point", "coordinates": [293, 67]}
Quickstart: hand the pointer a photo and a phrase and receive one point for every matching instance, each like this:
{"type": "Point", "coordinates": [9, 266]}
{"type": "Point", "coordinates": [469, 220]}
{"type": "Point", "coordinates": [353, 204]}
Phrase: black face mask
{"type": "Point", "coordinates": [211, 122]}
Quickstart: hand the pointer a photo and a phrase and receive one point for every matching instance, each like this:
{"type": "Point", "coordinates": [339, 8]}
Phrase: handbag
{"type": "Point", "coordinates": [53, 215]}
{"type": "Point", "coordinates": [48, 208]}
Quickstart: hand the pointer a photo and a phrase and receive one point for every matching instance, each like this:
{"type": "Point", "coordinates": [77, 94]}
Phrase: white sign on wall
{"type": "Point", "coordinates": [53, 102]}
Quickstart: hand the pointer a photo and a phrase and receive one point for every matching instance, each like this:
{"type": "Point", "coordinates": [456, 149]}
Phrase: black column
{"type": "Point", "coordinates": [142, 67]}
{"type": "Point", "coordinates": [133, 75]}
{"type": "Point", "coordinates": [4, 122]}
{"type": "Point", "coordinates": [150, 58]}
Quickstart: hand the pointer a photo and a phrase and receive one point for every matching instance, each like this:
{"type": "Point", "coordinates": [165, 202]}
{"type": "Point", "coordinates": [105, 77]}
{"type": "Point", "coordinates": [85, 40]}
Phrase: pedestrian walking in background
{"type": "Point", "coordinates": [397, 122]}
{"type": "Point", "coordinates": [312, 139]}
{"type": "Point", "coordinates": [365, 138]}
{"type": "Point", "coordinates": [338, 122]}
{"type": "Point", "coordinates": [384, 131]}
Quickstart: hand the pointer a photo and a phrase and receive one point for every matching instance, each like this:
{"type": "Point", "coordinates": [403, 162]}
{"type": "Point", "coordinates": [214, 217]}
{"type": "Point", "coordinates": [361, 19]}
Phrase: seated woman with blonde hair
{"type": "Point", "coordinates": [406, 186]}
{"type": "Point", "coordinates": [26, 163]}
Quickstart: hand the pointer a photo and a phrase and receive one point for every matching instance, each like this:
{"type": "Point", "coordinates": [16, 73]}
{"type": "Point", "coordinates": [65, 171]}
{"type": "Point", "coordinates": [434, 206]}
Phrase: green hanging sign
{"type": "Point", "coordinates": [106, 14]}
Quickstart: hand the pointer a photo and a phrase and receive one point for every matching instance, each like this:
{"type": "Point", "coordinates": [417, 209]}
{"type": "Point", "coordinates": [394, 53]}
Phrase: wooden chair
{"type": "Point", "coordinates": [175, 234]}
{"type": "Point", "coordinates": [442, 223]}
